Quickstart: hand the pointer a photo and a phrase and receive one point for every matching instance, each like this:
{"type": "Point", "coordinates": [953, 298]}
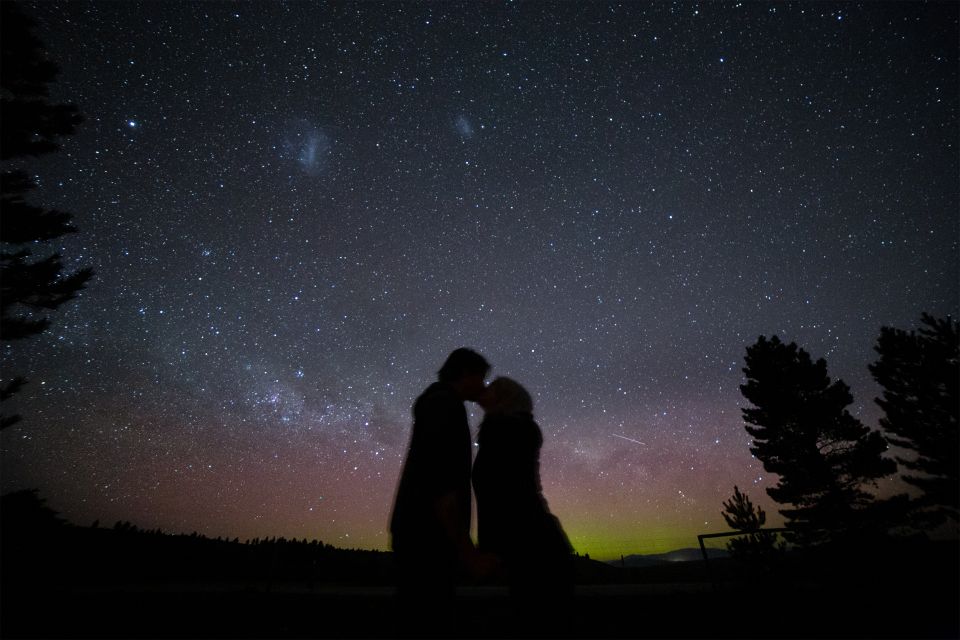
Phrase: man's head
{"type": "Point", "coordinates": [465, 370]}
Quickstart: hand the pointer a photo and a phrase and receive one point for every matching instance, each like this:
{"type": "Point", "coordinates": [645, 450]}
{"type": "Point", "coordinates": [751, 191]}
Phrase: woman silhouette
{"type": "Point", "coordinates": [513, 519]}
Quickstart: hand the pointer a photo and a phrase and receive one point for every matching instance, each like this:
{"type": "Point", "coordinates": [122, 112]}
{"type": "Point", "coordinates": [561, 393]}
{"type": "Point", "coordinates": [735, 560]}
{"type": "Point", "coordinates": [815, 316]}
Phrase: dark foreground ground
{"type": "Point", "coordinates": [63, 581]}
{"type": "Point", "coordinates": [84, 583]}
{"type": "Point", "coordinates": [688, 610]}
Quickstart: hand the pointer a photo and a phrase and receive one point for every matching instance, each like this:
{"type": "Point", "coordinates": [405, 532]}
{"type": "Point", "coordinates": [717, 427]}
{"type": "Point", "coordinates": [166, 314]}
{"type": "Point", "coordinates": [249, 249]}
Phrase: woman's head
{"type": "Point", "coordinates": [506, 396]}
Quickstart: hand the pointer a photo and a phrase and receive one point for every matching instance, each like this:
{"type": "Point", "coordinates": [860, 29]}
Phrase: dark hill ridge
{"type": "Point", "coordinates": [126, 554]}
{"type": "Point", "coordinates": [690, 554]}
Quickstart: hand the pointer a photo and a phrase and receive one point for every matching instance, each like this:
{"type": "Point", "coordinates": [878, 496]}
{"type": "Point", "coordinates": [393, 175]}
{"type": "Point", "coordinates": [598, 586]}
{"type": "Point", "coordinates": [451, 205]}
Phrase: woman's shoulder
{"type": "Point", "coordinates": [508, 421]}
{"type": "Point", "coordinates": [534, 432]}
{"type": "Point", "coordinates": [516, 427]}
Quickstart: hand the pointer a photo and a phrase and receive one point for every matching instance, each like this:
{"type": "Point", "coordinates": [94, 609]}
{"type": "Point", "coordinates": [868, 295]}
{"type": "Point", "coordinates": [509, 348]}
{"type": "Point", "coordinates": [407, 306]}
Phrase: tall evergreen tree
{"type": "Point", "coordinates": [920, 375]}
{"type": "Point", "coordinates": [30, 125]}
{"type": "Point", "coordinates": [803, 432]}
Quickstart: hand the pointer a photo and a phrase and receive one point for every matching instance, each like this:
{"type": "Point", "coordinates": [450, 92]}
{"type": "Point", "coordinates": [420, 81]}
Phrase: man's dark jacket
{"type": "Point", "coordinates": [438, 462]}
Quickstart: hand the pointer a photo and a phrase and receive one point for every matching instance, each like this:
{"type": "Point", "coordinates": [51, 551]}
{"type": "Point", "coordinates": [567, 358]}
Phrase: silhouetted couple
{"type": "Point", "coordinates": [518, 537]}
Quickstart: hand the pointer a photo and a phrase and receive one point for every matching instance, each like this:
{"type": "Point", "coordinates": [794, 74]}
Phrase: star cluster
{"type": "Point", "coordinates": [296, 210]}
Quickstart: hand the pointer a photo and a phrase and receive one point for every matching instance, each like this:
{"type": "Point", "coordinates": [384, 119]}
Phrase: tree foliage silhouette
{"type": "Point", "coordinates": [803, 432]}
{"type": "Point", "coordinates": [920, 375]}
{"type": "Point", "coordinates": [25, 511]}
{"type": "Point", "coordinates": [30, 125]}
{"type": "Point", "coordinates": [741, 515]}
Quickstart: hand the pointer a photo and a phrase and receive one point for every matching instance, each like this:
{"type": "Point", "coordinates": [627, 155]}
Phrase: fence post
{"type": "Point", "coordinates": [706, 561]}
{"type": "Point", "coordinates": [703, 549]}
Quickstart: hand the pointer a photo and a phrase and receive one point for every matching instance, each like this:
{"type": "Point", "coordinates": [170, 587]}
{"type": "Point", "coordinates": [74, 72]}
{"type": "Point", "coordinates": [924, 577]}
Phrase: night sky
{"type": "Point", "coordinates": [295, 211]}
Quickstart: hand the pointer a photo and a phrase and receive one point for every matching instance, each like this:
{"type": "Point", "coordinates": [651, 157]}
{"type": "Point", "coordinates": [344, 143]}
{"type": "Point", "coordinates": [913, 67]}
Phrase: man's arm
{"type": "Point", "coordinates": [448, 509]}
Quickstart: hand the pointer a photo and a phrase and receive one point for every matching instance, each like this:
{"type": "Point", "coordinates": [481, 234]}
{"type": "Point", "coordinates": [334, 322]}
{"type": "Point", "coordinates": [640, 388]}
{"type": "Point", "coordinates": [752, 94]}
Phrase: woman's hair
{"type": "Point", "coordinates": [508, 396]}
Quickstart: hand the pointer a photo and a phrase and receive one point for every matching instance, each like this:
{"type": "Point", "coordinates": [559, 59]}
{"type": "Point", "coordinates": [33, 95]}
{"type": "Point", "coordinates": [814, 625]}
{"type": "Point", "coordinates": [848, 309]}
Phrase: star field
{"type": "Point", "coordinates": [296, 211]}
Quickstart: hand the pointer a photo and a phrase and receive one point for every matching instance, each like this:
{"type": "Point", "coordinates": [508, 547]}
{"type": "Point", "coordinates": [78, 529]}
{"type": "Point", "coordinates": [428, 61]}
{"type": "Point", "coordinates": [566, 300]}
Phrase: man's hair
{"type": "Point", "coordinates": [462, 362]}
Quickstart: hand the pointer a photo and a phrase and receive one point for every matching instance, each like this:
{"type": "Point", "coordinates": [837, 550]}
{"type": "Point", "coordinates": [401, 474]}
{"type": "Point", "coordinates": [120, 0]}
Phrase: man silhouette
{"type": "Point", "coordinates": [430, 525]}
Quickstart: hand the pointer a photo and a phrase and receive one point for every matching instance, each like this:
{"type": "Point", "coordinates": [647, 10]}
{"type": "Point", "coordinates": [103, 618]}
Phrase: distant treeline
{"type": "Point", "coordinates": [40, 547]}
{"type": "Point", "coordinates": [41, 550]}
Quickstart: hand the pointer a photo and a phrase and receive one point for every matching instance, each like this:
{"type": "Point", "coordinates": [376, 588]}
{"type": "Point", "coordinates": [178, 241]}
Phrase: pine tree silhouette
{"type": "Point", "coordinates": [803, 432]}
{"type": "Point", "coordinates": [30, 125]}
{"type": "Point", "coordinates": [920, 375]}
{"type": "Point", "coordinates": [741, 515]}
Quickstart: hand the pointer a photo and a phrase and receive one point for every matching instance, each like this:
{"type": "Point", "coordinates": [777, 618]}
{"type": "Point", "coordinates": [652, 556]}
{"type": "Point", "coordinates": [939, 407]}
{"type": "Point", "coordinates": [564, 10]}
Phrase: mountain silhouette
{"type": "Point", "coordinates": [679, 555]}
